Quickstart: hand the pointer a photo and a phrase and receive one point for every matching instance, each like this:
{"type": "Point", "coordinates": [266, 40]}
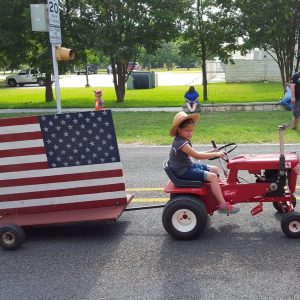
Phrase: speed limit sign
{"type": "Point", "coordinates": [54, 22]}
{"type": "Point", "coordinates": [53, 13]}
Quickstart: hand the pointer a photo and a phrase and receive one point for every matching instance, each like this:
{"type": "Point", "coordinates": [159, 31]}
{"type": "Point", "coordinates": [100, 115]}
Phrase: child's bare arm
{"type": "Point", "coordinates": [212, 150]}
{"type": "Point", "coordinates": [201, 155]}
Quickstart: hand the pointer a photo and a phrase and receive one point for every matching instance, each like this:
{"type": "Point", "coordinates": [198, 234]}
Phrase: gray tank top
{"type": "Point", "coordinates": [179, 161]}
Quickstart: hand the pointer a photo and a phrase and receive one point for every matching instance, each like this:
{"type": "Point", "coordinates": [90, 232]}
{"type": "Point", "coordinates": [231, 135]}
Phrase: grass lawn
{"type": "Point", "coordinates": [171, 96]}
{"type": "Point", "coordinates": [152, 128]}
{"type": "Point", "coordinates": [238, 127]}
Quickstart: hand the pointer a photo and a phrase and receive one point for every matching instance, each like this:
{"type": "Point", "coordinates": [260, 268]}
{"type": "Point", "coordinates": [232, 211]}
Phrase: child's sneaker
{"type": "Point", "coordinates": [227, 208]}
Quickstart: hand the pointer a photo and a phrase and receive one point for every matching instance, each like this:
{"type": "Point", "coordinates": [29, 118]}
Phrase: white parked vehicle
{"type": "Point", "coordinates": [28, 76]}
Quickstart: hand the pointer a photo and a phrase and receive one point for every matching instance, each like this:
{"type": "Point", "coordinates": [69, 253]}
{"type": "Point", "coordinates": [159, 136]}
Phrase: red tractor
{"type": "Point", "coordinates": [274, 178]}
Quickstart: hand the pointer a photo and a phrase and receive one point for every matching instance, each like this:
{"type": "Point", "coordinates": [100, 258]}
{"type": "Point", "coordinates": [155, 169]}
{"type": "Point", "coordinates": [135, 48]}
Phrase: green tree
{"type": "Point", "coordinates": [188, 60]}
{"type": "Point", "coordinates": [209, 32]}
{"type": "Point", "coordinates": [272, 26]}
{"type": "Point", "coordinates": [4, 65]}
{"type": "Point", "coordinates": [77, 33]}
{"type": "Point", "coordinates": [15, 45]}
{"type": "Point", "coordinates": [167, 55]}
{"type": "Point", "coordinates": [147, 59]}
{"type": "Point", "coordinates": [19, 44]}
{"type": "Point", "coordinates": [122, 28]}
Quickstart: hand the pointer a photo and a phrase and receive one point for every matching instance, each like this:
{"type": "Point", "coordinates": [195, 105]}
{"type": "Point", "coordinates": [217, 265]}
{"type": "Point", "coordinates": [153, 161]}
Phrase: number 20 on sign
{"type": "Point", "coordinates": [53, 13]}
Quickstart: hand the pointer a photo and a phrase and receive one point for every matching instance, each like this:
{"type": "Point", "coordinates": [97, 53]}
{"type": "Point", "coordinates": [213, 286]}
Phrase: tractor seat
{"type": "Point", "coordinates": [180, 182]}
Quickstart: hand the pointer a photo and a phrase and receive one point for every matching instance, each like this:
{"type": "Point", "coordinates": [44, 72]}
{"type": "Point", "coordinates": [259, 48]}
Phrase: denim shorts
{"type": "Point", "coordinates": [196, 172]}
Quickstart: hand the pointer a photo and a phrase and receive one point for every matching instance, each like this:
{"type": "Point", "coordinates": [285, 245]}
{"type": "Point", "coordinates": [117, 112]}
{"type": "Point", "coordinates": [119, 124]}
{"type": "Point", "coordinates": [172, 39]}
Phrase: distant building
{"type": "Point", "coordinates": [257, 65]}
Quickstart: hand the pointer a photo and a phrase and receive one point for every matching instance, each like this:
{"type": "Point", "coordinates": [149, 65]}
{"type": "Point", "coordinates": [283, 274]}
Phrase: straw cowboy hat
{"type": "Point", "coordinates": [179, 118]}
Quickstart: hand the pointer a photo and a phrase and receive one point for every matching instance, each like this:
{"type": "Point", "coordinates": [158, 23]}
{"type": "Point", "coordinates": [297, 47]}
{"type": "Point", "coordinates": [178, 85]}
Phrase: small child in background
{"type": "Point", "coordinates": [99, 102]}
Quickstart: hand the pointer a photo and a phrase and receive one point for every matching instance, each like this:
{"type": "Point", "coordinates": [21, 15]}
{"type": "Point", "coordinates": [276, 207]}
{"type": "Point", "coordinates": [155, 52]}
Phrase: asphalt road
{"type": "Point", "coordinates": [237, 257]}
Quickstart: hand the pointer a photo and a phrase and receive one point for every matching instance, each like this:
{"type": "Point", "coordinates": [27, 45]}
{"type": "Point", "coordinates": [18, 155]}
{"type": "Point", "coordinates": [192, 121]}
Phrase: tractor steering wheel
{"type": "Point", "coordinates": [228, 148]}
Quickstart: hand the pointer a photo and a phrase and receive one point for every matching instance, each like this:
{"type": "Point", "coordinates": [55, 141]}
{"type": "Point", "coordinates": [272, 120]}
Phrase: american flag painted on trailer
{"type": "Point", "coordinates": [54, 162]}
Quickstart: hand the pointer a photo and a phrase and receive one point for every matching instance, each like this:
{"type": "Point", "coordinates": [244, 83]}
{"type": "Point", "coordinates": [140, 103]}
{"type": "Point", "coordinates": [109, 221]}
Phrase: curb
{"type": "Point", "coordinates": [229, 107]}
{"type": "Point", "coordinates": [233, 107]}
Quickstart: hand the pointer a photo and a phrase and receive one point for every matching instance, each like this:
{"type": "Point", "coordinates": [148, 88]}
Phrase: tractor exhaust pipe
{"type": "Point", "coordinates": [281, 140]}
{"type": "Point", "coordinates": [278, 188]}
{"type": "Point", "coordinates": [281, 144]}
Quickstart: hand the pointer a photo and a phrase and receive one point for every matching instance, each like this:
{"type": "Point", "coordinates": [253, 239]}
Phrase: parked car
{"type": "Point", "coordinates": [92, 69]}
{"type": "Point", "coordinates": [134, 66]}
{"type": "Point", "coordinates": [27, 76]}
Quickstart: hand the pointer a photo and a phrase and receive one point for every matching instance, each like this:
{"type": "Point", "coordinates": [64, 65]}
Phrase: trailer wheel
{"type": "Point", "coordinates": [12, 236]}
{"type": "Point", "coordinates": [290, 224]}
{"type": "Point", "coordinates": [184, 217]}
{"type": "Point", "coordinates": [281, 207]}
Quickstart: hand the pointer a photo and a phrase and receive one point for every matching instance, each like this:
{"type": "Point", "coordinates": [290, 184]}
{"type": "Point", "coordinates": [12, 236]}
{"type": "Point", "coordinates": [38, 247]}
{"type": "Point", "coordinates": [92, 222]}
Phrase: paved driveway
{"type": "Point", "coordinates": [163, 79]}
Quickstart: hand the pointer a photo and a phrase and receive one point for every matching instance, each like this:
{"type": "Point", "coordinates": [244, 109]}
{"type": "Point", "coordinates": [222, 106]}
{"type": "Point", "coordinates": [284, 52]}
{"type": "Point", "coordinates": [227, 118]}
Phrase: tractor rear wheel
{"type": "Point", "coordinates": [290, 224]}
{"type": "Point", "coordinates": [184, 217]}
{"type": "Point", "coordinates": [281, 207]}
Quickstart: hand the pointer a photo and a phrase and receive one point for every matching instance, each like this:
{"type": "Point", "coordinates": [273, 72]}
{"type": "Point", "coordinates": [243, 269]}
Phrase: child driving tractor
{"type": "Point", "coordinates": [181, 164]}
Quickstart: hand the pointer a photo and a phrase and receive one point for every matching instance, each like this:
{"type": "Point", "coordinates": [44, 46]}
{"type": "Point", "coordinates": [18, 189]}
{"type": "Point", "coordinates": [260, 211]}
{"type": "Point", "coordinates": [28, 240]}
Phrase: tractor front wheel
{"type": "Point", "coordinates": [184, 217]}
{"type": "Point", "coordinates": [290, 224]}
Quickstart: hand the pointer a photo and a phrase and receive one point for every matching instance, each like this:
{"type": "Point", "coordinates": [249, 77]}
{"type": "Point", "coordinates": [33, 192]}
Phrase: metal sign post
{"type": "Point", "coordinates": [55, 40]}
{"type": "Point", "coordinates": [56, 79]}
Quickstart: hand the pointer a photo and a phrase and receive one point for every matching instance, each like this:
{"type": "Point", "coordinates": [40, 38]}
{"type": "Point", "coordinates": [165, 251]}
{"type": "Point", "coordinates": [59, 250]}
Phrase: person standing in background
{"type": "Point", "coordinates": [295, 98]}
